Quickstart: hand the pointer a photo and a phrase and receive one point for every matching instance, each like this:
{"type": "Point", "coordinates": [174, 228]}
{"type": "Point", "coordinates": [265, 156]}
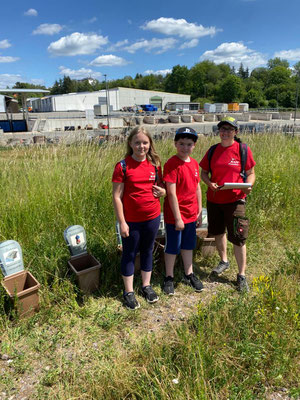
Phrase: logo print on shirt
{"type": "Point", "coordinates": [152, 176]}
{"type": "Point", "coordinates": [234, 161]}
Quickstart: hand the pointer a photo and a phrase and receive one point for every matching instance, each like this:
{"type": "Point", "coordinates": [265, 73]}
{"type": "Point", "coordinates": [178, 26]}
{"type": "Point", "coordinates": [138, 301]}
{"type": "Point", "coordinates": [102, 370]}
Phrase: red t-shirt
{"type": "Point", "coordinates": [225, 166]}
{"type": "Point", "coordinates": [139, 204]}
{"type": "Point", "coordinates": [186, 176]}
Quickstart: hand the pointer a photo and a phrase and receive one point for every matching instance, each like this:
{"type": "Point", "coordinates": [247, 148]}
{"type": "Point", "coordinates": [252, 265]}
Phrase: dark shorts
{"type": "Point", "coordinates": [180, 240]}
{"type": "Point", "coordinates": [230, 216]}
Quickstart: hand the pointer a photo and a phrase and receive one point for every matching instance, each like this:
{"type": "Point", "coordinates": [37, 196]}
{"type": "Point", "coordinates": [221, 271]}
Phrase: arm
{"type": "Point", "coordinates": [118, 190]}
{"type": "Point", "coordinates": [250, 179]}
{"type": "Point", "coordinates": [212, 185]}
{"type": "Point", "coordinates": [173, 201]}
{"type": "Point", "coordinates": [199, 201]}
{"type": "Point", "coordinates": [159, 189]}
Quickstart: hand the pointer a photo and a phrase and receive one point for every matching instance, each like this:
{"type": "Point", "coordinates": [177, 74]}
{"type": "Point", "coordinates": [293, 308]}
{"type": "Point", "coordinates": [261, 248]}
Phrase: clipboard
{"type": "Point", "coordinates": [234, 185]}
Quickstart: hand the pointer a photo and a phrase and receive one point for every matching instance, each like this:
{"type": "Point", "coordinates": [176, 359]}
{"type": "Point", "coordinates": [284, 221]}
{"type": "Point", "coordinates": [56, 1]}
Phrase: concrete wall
{"type": "Point", "coordinates": [261, 116]}
{"type": "Point", "coordinates": [282, 115]}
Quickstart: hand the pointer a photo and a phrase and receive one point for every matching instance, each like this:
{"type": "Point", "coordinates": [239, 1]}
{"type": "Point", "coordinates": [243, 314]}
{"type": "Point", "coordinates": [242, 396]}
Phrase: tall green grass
{"type": "Point", "coordinates": [238, 347]}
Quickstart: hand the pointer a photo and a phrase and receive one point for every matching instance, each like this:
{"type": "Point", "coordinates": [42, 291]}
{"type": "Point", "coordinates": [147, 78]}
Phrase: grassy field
{"type": "Point", "coordinates": [89, 347]}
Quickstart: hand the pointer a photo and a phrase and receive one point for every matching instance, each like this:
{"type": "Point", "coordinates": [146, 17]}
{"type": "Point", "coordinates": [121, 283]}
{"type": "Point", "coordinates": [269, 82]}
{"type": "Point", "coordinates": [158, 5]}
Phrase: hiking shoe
{"type": "Point", "coordinates": [220, 268]}
{"type": "Point", "coordinates": [193, 281]}
{"type": "Point", "coordinates": [242, 285]}
{"type": "Point", "coordinates": [130, 301]}
{"type": "Point", "coordinates": [149, 294]}
{"type": "Point", "coordinates": [168, 287]}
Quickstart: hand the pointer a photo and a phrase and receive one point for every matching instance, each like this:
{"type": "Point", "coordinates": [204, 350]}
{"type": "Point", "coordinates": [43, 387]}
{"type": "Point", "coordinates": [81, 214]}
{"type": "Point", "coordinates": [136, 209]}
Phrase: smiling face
{"type": "Point", "coordinates": [140, 145]}
{"type": "Point", "coordinates": [184, 148]}
{"type": "Point", "coordinates": [227, 133]}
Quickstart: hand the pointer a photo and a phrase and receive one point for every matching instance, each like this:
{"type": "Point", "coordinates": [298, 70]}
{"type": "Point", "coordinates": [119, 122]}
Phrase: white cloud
{"type": "Point", "coordinates": [4, 44]}
{"type": "Point", "coordinates": [158, 72]}
{"type": "Point", "coordinates": [8, 59]}
{"type": "Point", "coordinates": [179, 27]}
{"type": "Point", "coordinates": [31, 12]}
{"type": "Point", "coordinates": [118, 45]}
{"type": "Point", "coordinates": [160, 45]}
{"type": "Point", "coordinates": [293, 55]}
{"type": "Point", "coordinates": [92, 20]}
{"type": "Point", "coordinates": [47, 29]}
{"type": "Point", "coordinates": [9, 80]}
{"type": "Point", "coordinates": [79, 73]}
{"type": "Point", "coordinates": [108, 60]}
{"type": "Point", "coordinates": [189, 44]}
{"type": "Point", "coordinates": [235, 53]}
{"type": "Point", "coordinates": [38, 81]}
{"type": "Point", "coordinates": [77, 43]}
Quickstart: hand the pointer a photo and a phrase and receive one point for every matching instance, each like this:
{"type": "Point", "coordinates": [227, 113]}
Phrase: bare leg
{"type": "Point", "coordinates": [146, 278]}
{"type": "Point", "coordinates": [187, 257]}
{"type": "Point", "coordinates": [169, 263]}
{"type": "Point", "coordinates": [221, 244]}
{"type": "Point", "coordinates": [128, 283]}
{"type": "Point", "coordinates": [240, 256]}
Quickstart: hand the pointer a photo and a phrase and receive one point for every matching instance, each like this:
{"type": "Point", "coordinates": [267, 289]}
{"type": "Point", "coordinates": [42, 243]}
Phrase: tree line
{"type": "Point", "coordinates": [272, 86]}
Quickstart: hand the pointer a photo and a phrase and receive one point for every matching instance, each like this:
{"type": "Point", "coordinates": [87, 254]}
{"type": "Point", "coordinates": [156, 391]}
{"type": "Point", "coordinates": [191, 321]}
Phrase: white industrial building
{"type": "Point", "coordinates": [118, 98]}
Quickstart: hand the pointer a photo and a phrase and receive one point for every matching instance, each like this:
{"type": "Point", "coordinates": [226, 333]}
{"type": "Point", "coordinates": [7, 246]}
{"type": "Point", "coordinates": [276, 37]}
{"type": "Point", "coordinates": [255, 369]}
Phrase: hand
{"type": "Point", "coordinates": [124, 230]}
{"type": "Point", "coordinates": [158, 191]}
{"type": "Point", "coordinates": [247, 190]}
{"type": "Point", "coordinates": [179, 225]}
{"type": "Point", "coordinates": [213, 186]}
{"type": "Point", "coordinates": [199, 220]}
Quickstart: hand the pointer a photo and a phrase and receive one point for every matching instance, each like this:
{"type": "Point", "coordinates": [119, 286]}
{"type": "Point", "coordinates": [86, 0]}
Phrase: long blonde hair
{"type": "Point", "coordinates": [152, 155]}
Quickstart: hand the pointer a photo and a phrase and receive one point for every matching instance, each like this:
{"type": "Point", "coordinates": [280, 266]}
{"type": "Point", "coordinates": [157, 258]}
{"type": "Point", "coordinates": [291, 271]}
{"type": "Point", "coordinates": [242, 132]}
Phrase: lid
{"type": "Point", "coordinates": [75, 238]}
{"type": "Point", "coordinates": [11, 260]}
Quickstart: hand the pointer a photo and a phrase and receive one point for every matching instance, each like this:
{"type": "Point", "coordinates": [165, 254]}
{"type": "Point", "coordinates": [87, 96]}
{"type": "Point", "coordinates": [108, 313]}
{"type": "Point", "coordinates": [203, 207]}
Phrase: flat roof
{"type": "Point", "coordinates": [24, 90]}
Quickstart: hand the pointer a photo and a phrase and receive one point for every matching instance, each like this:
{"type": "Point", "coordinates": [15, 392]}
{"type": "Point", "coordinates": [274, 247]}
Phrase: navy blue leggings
{"type": "Point", "coordinates": [141, 239]}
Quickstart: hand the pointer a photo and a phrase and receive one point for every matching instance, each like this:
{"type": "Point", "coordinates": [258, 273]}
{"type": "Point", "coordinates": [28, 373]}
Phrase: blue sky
{"type": "Point", "coordinates": [41, 41]}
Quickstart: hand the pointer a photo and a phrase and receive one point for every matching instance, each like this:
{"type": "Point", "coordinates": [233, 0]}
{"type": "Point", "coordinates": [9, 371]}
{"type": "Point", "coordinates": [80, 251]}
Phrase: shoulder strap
{"type": "Point", "coordinates": [156, 174]}
{"type": "Point", "coordinates": [123, 165]}
{"type": "Point", "coordinates": [210, 154]}
{"type": "Point", "coordinates": [243, 155]}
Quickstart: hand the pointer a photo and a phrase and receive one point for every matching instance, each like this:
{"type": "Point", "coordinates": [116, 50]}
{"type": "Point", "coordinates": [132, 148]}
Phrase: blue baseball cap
{"type": "Point", "coordinates": [186, 131]}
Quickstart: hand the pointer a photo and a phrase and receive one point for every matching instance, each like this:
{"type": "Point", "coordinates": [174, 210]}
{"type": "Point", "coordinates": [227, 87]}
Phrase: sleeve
{"type": "Point", "coordinates": [250, 163]}
{"type": "Point", "coordinates": [118, 175]}
{"type": "Point", "coordinates": [170, 172]}
{"type": "Point", "coordinates": [204, 164]}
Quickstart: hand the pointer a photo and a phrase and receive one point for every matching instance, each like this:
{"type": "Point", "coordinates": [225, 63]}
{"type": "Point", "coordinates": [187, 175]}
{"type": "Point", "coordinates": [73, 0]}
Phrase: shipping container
{"type": "Point", "coordinates": [244, 107]}
{"type": "Point", "coordinates": [221, 107]}
{"type": "Point", "coordinates": [210, 108]}
{"type": "Point", "coordinates": [233, 107]}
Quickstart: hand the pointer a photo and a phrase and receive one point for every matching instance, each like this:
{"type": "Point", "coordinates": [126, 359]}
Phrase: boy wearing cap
{"type": "Point", "coordinates": [226, 208]}
{"type": "Point", "coordinates": [182, 209]}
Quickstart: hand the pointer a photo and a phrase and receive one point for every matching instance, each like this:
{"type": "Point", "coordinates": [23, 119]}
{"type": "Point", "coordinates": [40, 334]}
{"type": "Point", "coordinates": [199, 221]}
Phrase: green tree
{"type": "Point", "coordinates": [231, 89]}
{"type": "Point", "coordinates": [253, 97]}
{"type": "Point", "coordinates": [277, 62]}
{"type": "Point", "coordinates": [178, 80]}
{"type": "Point", "coordinates": [279, 75]}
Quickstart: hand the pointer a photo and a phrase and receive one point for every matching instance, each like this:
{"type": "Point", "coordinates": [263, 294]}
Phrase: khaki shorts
{"type": "Point", "coordinates": [230, 216]}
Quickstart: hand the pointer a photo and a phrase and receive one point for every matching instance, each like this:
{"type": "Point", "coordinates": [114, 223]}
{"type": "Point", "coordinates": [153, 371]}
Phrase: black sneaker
{"type": "Point", "coordinates": [168, 287]}
{"type": "Point", "coordinates": [149, 294]}
{"type": "Point", "coordinates": [220, 268]}
{"type": "Point", "coordinates": [130, 301]}
{"type": "Point", "coordinates": [242, 285]}
{"type": "Point", "coordinates": [193, 281]}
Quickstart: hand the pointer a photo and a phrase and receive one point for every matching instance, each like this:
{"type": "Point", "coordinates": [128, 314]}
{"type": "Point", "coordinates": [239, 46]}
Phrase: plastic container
{"type": "Point", "coordinates": [84, 265]}
{"type": "Point", "coordinates": [20, 285]}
